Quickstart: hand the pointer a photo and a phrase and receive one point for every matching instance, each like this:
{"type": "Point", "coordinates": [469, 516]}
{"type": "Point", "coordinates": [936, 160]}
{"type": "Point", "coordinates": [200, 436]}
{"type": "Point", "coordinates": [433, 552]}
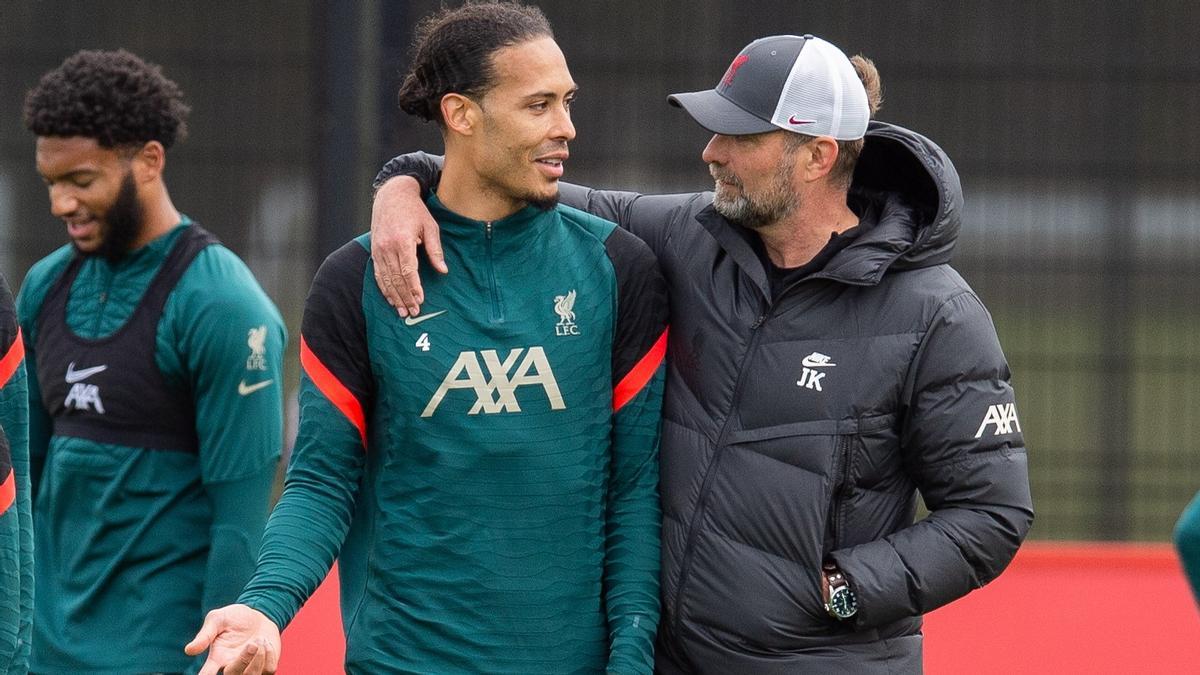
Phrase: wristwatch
{"type": "Point", "coordinates": [840, 601]}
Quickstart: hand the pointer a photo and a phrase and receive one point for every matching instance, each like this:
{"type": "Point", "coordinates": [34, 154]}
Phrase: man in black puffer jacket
{"type": "Point", "coordinates": [826, 364]}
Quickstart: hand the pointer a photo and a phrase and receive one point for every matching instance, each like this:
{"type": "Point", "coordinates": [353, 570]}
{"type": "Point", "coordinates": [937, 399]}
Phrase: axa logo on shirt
{"type": "Point", "coordinates": [1003, 416]}
{"type": "Point", "coordinates": [496, 391]}
{"type": "Point", "coordinates": [83, 396]}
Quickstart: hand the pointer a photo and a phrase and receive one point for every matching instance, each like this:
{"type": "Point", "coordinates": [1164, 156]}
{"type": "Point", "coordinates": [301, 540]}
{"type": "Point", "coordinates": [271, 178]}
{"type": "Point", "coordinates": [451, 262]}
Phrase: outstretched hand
{"type": "Point", "coordinates": [400, 222]}
{"type": "Point", "coordinates": [240, 641]}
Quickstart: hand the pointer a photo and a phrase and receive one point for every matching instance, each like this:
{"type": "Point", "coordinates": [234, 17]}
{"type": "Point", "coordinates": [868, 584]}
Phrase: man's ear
{"type": "Point", "coordinates": [460, 114]}
{"type": "Point", "coordinates": [148, 162]}
{"type": "Point", "coordinates": [822, 154]}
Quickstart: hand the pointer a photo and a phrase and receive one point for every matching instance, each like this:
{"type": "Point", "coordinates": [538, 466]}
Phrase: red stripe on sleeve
{"type": "Point", "coordinates": [8, 492]}
{"type": "Point", "coordinates": [636, 379]}
{"type": "Point", "coordinates": [8, 364]}
{"type": "Point", "coordinates": [333, 389]}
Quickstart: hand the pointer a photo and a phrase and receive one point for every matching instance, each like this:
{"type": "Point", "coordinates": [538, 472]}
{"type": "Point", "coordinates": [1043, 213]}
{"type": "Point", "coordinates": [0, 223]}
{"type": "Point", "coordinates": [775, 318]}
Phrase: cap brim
{"type": "Point", "coordinates": [718, 114]}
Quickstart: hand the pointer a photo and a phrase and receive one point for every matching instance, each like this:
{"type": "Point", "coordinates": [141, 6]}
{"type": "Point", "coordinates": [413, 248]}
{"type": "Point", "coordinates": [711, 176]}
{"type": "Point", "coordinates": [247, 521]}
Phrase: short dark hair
{"type": "Point", "coordinates": [452, 52]}
{"type": "Point", "coordinates": [111, 96]}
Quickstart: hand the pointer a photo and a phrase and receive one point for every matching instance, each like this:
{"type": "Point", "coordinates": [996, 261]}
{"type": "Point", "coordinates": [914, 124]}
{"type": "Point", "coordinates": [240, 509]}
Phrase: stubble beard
{"type": "Point", "coordinates": [756, 211]}
{"type": "Point", "coordinates": [543, 203]}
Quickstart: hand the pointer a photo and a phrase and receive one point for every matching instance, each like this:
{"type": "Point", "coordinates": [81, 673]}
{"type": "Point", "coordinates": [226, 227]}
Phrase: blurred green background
{"type": "Point", "coordinates": [1071, 124]}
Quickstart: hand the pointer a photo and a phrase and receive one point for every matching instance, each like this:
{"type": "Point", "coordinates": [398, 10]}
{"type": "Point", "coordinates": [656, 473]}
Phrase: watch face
{"type": "Point", "coordinates": [843, 603]}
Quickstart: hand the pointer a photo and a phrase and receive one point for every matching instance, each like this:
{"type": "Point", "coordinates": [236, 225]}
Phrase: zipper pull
{"type": "Point", "coordinates": [487, 229]}
{"type": "Point", "coordinates": [762, 318]}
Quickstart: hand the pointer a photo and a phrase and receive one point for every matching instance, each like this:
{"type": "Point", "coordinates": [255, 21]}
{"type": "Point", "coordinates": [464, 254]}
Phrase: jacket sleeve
{"type": "Point", "coordinates": [16, 522]}
{"type": "Point", "coordinates": [309, 524]}
{"type": "Point", "coordinates": [633, 518]}
{"type": "Point", "coordinates": [961, 443]}
{"type": "Point", "coordinates": [649, 217]}
{"type": "Point", "coordinates": [1187, 541]}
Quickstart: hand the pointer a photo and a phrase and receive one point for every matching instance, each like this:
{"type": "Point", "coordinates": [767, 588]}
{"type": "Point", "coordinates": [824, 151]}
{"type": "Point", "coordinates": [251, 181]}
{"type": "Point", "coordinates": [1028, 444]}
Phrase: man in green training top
{"type": "Point", "coordinates": [16, 530]}
{"type": "Point", "coordinates": [155, 399]}
{"type": "Point", "coordinates": [487, 471]}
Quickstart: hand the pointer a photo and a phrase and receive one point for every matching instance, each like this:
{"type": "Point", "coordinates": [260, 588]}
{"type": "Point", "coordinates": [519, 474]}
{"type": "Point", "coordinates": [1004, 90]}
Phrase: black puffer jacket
{"type": "Point", "coordinates": [803, 428]}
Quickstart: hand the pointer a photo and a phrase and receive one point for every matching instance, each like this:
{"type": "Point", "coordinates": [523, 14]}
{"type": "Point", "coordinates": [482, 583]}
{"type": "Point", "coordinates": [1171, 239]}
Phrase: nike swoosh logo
{"type": "Point", "coordinates": [74, 376]}
{"type": "Point", "coordinates": [808, 362]}
{"type": "Point", "coordinates": [247, 389]}
{"type": "Point", "coordinates": [793, 120]}
{"type": "Point", "coordinates": [414, 320]}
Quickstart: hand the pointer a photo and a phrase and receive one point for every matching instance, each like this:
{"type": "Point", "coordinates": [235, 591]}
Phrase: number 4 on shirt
{"type": "Point", "coordinates": [423, 342]}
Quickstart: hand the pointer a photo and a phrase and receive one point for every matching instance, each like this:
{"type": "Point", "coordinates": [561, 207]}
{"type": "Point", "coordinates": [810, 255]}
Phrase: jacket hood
{"type": "Point", "coordinates": [920, 191]}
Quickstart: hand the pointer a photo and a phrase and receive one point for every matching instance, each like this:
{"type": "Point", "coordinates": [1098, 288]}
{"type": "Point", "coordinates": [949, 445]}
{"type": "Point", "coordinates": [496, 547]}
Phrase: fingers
{"type": "Point", "coordinates": [431, 234]}
{"type": "Point", "coordinates": [396, 282]}
{"type": "Point", "coordinates": [205, 637]}
{"type": "Point", "coordinates": [410, 279]}
{"type": "Point", "coordinates": [400, 223]}
{"type": "Point", "coordinates": [254, 659]}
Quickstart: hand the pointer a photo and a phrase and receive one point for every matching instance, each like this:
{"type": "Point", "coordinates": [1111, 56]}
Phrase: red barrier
{"type": "Point", "coordinates": [313, 643]}
{"type": "Point", "coordinates": [1098, 609]}
{"type": "Point", "coordinates": [1060, 609]}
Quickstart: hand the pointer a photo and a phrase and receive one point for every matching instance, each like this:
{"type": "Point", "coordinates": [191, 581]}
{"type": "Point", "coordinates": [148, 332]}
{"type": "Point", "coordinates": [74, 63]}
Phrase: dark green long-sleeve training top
{"type": "Point", "coordinates": [134, 544]}
{"type": "Point", "coordinates": [16, 524]}
{"type": "Point", "coordinates": [487, 470]}
{"type": "Point", "coordinates": [1187, 542]}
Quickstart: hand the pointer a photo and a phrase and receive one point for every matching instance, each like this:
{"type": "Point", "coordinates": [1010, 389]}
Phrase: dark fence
{"type": "Point", "coordinates": [1070, 123]}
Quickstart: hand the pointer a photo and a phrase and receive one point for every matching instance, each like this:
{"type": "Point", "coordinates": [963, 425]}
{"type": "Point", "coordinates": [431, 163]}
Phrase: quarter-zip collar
{"type": "Point", "coordinates": [106, 293]}
{"type": "Point", "coordinates": [504, 233]}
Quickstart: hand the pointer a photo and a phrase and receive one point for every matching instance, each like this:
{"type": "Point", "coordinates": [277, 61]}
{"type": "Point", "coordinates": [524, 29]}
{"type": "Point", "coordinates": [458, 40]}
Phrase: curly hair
{"type": "Point", "coordinates": [111, 96]}
{"type": "Point", "coordinates": [452, 52]}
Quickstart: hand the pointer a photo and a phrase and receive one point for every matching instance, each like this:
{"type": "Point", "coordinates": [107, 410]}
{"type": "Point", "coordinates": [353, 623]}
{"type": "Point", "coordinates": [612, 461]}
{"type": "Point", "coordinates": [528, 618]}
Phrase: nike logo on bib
{"type": "Point", "coordinates": [247, 389]}
{"type": "Point", "coordinates": [74, 376]}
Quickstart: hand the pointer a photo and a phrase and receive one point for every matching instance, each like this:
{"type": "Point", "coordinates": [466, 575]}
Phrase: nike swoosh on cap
{"type": "Point", "coordinates": [414, 320]}
{"type": "Point", "coordinates": [793, 120]}
{"type": "Point", "coordinates": [74, 376]}
{"type": "Point", "coordinates": [247, 389]}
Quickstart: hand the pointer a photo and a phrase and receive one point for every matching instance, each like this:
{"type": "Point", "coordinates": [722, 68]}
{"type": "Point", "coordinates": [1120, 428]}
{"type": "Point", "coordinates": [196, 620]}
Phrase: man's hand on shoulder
{"type": "Point", "coordinates": [240, 641]}
{"type": "Point", "coordinates": [400, 222]}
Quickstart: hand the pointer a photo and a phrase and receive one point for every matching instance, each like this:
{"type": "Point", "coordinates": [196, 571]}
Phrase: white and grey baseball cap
{"type": "Point", "coordinates": [802, 84]}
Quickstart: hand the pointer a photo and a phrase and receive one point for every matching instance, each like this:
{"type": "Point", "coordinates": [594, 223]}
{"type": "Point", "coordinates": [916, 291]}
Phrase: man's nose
{"type": "Point", "coordinates": [715, 152]}
{"type": "Point", "coordinates": [564, 128]}
{"type": "Point", "coordinates": [62, 202]}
